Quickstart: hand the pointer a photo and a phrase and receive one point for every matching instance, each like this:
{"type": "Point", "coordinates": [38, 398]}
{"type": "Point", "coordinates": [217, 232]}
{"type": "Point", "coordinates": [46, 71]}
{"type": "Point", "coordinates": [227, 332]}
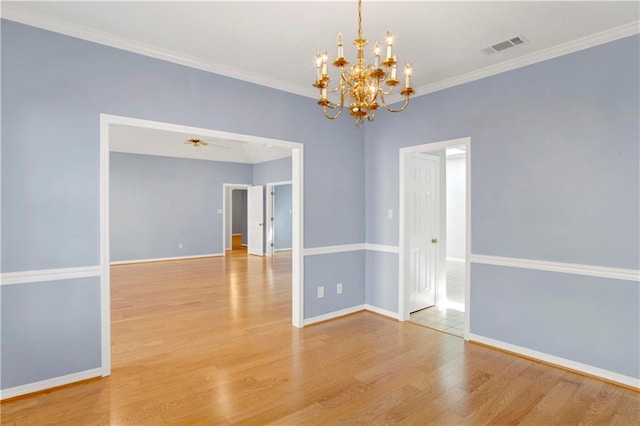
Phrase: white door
{"type": "Point", "coordinates": [422, 221]}
{"type": "Point", "coordinates": [255, 234]}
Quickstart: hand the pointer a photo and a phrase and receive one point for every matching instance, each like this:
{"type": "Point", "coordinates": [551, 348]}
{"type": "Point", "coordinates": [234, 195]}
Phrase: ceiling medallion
{"type": "Point", "coordinates": [360, 84]}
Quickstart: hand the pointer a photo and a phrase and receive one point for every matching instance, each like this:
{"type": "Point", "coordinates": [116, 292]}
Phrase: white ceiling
{"type": "Point", "coordinates": [149, 141]}
{"type": "Point", "coordinates": [273, 43]}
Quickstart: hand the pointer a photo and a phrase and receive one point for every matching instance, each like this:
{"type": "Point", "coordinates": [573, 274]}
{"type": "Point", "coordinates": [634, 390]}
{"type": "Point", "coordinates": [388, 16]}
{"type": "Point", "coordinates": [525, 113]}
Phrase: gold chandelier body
{"type": "Point", "coordinates": [360, 84]}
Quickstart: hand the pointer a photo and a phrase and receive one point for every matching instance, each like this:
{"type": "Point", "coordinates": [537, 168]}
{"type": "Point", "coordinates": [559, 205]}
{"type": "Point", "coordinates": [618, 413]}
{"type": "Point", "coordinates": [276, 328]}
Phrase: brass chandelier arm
{"type": "Point", "coordinates": [402, 108]}
{"type": "Point", "coordinates": [331, 117]}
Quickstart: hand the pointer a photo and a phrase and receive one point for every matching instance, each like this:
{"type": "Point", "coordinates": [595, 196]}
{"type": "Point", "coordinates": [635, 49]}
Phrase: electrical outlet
{"type": "Point", "coordinates": [179, 245]}
{"type": "Point", "coordinates": [339, 288]}
{"type": "Point", "coordinates": [320, 292]}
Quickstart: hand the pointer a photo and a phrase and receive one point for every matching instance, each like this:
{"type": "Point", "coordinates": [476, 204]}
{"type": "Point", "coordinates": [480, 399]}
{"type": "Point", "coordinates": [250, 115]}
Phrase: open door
{"type": "Point", "coordinates": [422, 222]}
{"type": "Point", "coordinates": [255, 225]}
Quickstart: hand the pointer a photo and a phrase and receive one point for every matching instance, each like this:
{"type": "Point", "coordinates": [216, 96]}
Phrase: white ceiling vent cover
{"type": "Point", "coordinates": [504, 45]}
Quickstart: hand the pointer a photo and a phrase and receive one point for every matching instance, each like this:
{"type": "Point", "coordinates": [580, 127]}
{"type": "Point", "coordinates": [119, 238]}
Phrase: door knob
{"type": "Point", "coordinates": [434, 240]}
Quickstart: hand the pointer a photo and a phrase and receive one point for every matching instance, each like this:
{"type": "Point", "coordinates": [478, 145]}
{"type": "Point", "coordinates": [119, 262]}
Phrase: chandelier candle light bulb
{"type": "Point", "coordinates": [359, 84]}
{"type": "Point", "coordinates": [407, 75]}
{"type": "Point", "coordinates": [389, 44]}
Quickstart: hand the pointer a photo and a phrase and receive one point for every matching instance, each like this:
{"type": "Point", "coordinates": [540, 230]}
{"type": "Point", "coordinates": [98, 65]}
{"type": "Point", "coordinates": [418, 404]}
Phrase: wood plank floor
{"type": "Point", "coordinates": [210, 342]}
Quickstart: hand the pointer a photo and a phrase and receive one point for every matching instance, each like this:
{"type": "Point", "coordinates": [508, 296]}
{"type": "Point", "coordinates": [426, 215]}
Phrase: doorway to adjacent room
{"type": "Point", "coordinates": [435, 235]}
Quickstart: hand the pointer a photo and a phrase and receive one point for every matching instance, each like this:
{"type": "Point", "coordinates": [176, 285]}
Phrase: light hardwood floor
{"type": "Point", "coordinates": [210, 342]}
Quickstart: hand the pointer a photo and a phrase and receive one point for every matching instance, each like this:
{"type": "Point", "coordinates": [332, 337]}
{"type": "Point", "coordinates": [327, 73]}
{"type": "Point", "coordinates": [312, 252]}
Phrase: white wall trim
{"type": "Point", "coordinates": [283, 249]}
{"type": "Point", "coordinates": [334, 314]}
{"type": "Point", "coordinates": [592, 40]}
{"type": "Point", "coordinates": [382, 248]}
{"type": "Point", "coordinates": [558, 361]}
{"type": "Point", "coordinates": [25, 277]}
{"type": "Point", "coordinates": [567, 268]}
{"type": "Point", "coordinates": [381, 311]}
{"type": "Point", "coordinates": [333, 249]}
{"type": "Point", "coordinates": [49, 383]}
{"type": "Point", "coordinates": [118, 42]}
{"type": "Point", "coordinates": [162, 259]}
{"type": "Point", "coordinates": [455, 259]}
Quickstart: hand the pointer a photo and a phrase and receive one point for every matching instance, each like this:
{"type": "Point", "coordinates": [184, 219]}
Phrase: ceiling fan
{"type": "Point", "coordinates": [197, 142]}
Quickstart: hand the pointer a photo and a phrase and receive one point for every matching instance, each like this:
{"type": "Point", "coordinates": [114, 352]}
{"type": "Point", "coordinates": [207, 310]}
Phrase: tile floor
{"type": "Point", "coordinates": [439, 317]}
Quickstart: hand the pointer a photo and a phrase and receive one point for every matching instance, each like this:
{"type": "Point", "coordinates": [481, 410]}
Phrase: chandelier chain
{"type": "Point", "coordinates": [359, 18]}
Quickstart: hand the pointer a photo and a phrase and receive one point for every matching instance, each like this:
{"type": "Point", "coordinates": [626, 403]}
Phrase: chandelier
{"type": "Point", "coordinates": [361, 85]}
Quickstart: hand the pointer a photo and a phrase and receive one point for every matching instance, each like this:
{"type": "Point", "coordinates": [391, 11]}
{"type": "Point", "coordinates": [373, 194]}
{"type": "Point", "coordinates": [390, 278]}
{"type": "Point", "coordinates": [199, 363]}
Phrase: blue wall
{"type": "Point", "coordinates": [554, 177]}
{"type": "Point", "coordinates": [54, 88]}
{"type": "Point", "coordinates": [158, 202]}
{"type": "Point", "coordinates": [49, 329]}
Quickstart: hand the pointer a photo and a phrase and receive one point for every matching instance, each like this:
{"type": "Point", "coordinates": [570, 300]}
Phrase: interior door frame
{"type": "Point", "coordinates": [403, 291]}
{"type": "Point", "coordinates": [270, 233]}
{"type": "Point", "coordinates": [227, 200]}
{"type": "Point", "coordinates": [297, 178]}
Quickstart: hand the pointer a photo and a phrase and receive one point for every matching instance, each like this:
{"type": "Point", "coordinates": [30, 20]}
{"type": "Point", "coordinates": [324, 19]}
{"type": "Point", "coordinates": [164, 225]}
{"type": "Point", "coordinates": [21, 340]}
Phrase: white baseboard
{"type": "Point", "coordinates": [284, 249]}
{"type": "Point", "coordinates": [558, 361]}
{"type": "Point", "coordinates": [50, 383]}
{"type": "Point", "coordinates": [349, 311]}
{"type": "Point", "coordinates": [162, 259]}
{"type": "Point", "coordinates": [334, 314]}
{"type": "Point", "coordinates": [381, 311]}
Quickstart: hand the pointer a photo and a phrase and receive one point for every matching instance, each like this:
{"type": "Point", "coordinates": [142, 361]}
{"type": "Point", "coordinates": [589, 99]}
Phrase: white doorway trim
{"type": "Point", "coordinates": [403, 292]}
{"type": "Point", "coordinates": [297, 173]}
{"type": "Point", "coordinates": [227, 202]}
{"type": "Point", "coordinates": [269, 216]}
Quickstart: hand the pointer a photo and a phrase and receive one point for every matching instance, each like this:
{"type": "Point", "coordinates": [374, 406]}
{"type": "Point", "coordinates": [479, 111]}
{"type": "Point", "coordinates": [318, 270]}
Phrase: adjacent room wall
{"type": "Point", "coordinates": [159, 203]}
{"type": "Point", "coordinates": [554, 177]}
{"type": "Point", "coordinates": [456, 207]}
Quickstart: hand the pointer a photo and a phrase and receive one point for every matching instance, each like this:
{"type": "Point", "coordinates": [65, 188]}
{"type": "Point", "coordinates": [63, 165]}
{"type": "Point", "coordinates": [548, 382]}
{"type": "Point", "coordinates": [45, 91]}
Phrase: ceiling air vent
{"type": "Point", "coordinates": [504, 45]}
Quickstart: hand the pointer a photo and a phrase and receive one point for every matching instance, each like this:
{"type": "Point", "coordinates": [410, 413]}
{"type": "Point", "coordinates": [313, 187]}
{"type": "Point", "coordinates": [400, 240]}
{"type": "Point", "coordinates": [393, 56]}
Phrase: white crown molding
{"type": "Point", "coordinates": [333, 249]}
{"type": "Point", "coordinates": [532, 58]}
{"type": "Point", "coordinates": [78, 31]}
{"type": "Point", "coordinates": [382, 248]}
{"type": "Point", "coordinates": [558, 361]}
{"type": "Point", "coordinates": [50, 383]}
{"type": "Point", "coordinates": [37, 20]}
{"type": "Point", "coordinates": [49, 275]}
{"type": "Point", "coordinates": [567, 268]}
{"type": "Point", "coordinates": [162, 259]}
